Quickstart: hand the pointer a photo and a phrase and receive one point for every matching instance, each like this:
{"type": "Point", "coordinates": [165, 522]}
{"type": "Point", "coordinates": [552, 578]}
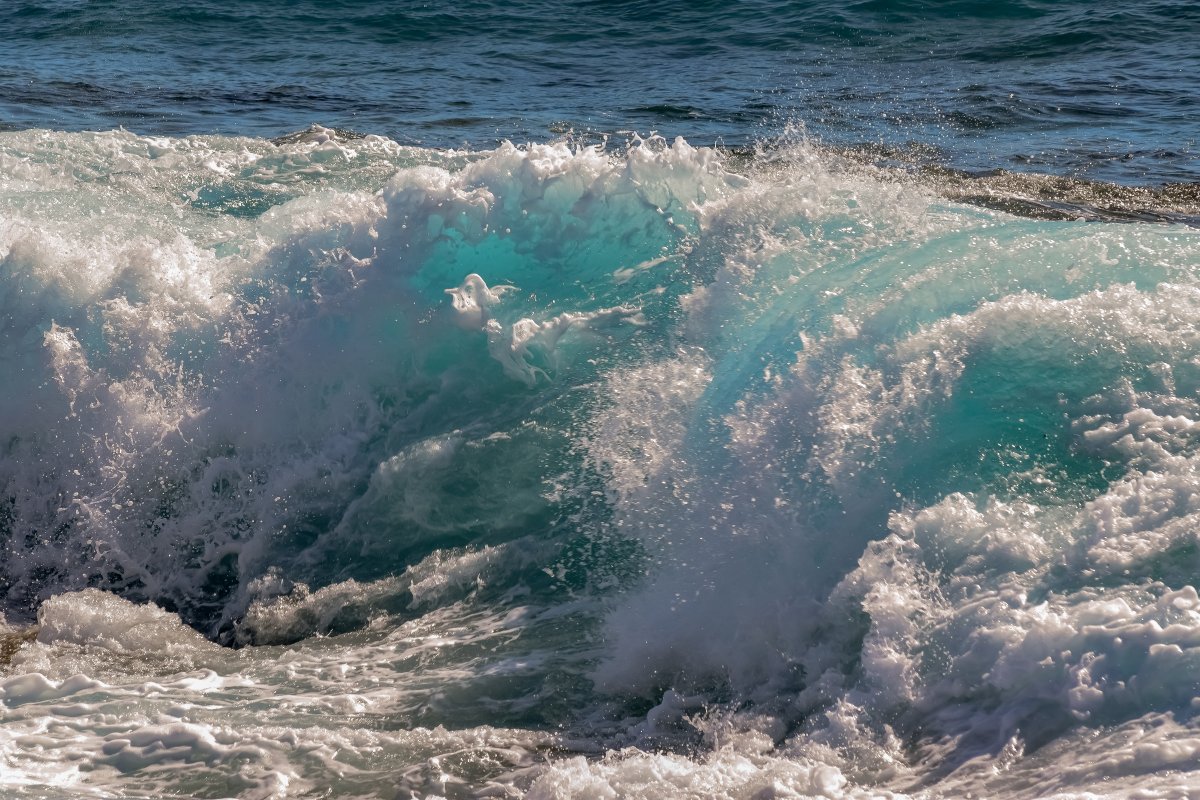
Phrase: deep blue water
{"type": "Point", "coordinates": [1106, 90]}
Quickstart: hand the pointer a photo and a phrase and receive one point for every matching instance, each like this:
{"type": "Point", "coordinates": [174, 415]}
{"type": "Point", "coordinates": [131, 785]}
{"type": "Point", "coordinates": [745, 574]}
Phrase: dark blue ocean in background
{"type": "Point", "coordinates": [1103, 90]}
{"type": "Point", "coordinates": [599, 400]}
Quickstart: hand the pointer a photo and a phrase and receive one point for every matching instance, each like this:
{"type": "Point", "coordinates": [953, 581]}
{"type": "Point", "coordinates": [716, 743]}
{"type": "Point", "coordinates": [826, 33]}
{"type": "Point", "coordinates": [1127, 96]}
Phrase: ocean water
{"type": "Point", "coordinates": [599, 400]}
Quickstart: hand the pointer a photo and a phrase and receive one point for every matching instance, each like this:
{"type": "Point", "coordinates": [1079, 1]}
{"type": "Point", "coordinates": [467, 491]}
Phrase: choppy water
{"type": "Point", "coordinates": [355, 464]}
{"type": "Point", "coordinates": [1106, 90]}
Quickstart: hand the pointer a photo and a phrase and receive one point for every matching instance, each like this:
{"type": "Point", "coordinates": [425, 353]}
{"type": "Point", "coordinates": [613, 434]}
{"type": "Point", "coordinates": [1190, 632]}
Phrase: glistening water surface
{"type": "Point", "coordinates": [397, 461]}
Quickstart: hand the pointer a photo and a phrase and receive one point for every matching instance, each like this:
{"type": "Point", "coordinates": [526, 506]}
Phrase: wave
{"type": "Point", "coordinates": [775, 468]}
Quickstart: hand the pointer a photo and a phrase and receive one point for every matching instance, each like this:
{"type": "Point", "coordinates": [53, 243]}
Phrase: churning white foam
{"type": "Point", "coordinates": [791, 483]}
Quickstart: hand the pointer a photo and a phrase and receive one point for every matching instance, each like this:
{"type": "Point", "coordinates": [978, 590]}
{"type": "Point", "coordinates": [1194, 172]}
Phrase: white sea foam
{"type": "Point", "coordinates": [791, 483]}
{"type": "Point", "coordinates": [210, 383]}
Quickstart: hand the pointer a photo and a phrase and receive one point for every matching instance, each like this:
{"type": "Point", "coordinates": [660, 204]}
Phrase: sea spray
{"type": "Point", "coordinates": [767, 475]}
{"type": "Point", "coordinates": [206, 410]}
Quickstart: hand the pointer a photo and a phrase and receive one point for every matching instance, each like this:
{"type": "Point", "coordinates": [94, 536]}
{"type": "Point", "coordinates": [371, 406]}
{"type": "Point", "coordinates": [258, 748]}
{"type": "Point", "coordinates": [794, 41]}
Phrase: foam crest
{"type": "Point", "coordinates": [928, 505]}
{"type": "Point", "coordinates": [100, 619]}
{"type": "Point", "coordinates": [732, 772]}
{"type": "Point", "coordinates": [214, 381]}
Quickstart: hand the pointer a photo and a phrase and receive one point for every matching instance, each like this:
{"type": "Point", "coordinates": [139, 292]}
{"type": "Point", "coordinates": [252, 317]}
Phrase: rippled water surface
{"type": "Point", "coordinates": [1106, 90]}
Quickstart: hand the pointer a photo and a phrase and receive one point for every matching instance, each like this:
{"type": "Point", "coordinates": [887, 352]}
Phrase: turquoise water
{"type": "Point", "coordinates": [812, 453]}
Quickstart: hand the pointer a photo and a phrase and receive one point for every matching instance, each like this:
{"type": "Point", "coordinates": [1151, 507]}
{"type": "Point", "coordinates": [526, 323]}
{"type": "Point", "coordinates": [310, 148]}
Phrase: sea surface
{"type": "Point", "coordinates": [599, 400]}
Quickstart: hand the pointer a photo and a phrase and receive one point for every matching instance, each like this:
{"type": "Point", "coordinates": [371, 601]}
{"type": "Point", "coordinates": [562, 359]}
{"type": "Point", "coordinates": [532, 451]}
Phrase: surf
{"type": "Point", "coordinates": [769, 470]}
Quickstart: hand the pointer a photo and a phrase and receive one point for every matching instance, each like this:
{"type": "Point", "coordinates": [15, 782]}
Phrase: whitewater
{"type": "Point", "coordinates": [336, 467]}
